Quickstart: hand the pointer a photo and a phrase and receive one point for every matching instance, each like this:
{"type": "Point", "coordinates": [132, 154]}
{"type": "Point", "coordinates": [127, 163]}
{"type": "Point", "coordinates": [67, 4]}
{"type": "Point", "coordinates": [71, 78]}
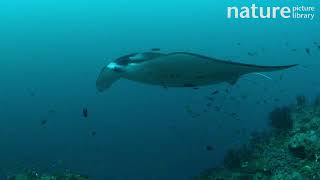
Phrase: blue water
{"type": "Point", "coordinates": [51, 53]}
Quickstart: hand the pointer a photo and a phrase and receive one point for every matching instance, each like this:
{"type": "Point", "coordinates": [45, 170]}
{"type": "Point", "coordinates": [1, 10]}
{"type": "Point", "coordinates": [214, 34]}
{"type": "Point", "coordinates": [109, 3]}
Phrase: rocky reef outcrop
{"type": "Point", "coordinates": [290, 151]}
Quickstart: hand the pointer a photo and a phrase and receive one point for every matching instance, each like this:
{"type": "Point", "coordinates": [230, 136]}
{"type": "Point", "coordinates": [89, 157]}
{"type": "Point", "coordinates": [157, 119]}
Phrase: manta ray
{"type": "Point", "coordinates": [176, 69]}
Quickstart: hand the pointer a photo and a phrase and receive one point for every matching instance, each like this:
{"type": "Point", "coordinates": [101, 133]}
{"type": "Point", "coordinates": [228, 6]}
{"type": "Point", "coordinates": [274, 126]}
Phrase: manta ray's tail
{"type": "Point", "coordinates": [242, 69]}
{"type": "Point", "coordinates": [106, 78]}
{"type": "Point", "coordinates": [273, 68]}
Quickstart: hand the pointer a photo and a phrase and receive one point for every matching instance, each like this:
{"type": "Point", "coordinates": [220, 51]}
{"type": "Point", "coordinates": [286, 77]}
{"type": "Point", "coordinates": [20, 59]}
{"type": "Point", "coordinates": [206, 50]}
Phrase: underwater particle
{"type": "Point", "coordinates": [195, 115]}
{"type": "Point", "coordinates": [85, 112]}
{"type": "Point", "coordinates": [93, 133]}
{"type": "Point", "coordinates": [316, 44]}
{"type": "Point", "coordinates": [232, 98]}
{"type": "Point", "coordinates": [237, 131]}
{"type": "Point", "coordinates": [188, 108]}
{"type": "Point", "coordinates": [172, 126]}
{"type": "Point", "coordinates": [281, 77]}
{"type": "Point", "coordinates": [215, 92]}
{"type": "Point", "coordinates": [164, 85]}
{"type": "Point", "coordinates": [250, 54]}
{"type": "Point", "coordinates": [52, 111]}
{"type": "Point", "coordinates": [209, 148]}
{"type": "Point", "coordinates": [155, 49]}
{"type": "Point", "coordinates": [286, 44]}
{"type": "Point", "coordinates": [32, 93]}
{"type": "Point", "coordinates": [44, 122]}
{"type": "Point", "coordinates": [217, 108]}
{"type": "Point", "coordinates": [244, 97]}
{"type": "Point", "coordinates": [308, 51]}
{"type": "Point", "coordinates": [210, 99]}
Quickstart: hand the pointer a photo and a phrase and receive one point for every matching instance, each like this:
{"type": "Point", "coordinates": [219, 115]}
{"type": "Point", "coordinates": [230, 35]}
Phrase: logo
{"type": "Point", "coordinates": [275, 12]}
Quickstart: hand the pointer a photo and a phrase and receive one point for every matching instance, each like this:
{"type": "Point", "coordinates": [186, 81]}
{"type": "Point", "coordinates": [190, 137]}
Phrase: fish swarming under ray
{"type": "Point", "coordinates": [177, 69]}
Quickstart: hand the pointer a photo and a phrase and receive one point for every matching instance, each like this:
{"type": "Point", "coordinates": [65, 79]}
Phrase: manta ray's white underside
{"type": "Point", "coordinates": [179, 69]}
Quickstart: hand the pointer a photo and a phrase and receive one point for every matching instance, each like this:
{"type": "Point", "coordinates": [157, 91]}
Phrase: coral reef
{"type": "Point", "coordinates": [280, 118]}
{"type": "Point", "coordinates": [317, 101]}
{"type": "Point", "coordinates": [301, 100]}
{"type": "Point", "coordinates": [291, 151]}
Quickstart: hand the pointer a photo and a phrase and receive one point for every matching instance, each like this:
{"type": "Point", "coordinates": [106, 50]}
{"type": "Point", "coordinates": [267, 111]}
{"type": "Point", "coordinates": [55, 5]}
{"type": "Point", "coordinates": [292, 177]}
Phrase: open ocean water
{"type": "Point", "coordinates": [51, 53]}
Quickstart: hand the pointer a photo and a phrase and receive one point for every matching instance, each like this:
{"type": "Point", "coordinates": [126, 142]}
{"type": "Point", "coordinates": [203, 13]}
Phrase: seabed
{"type": "Point", "coordinates": [33, 175]}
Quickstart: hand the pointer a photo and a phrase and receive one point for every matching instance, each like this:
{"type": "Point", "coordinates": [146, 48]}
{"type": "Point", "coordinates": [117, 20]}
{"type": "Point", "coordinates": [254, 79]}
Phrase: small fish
{"type": "Point", "coordinates": [164, 86]}
{"type": "Point", "coordinates": [227, 91]}
{"type": "Point", "coordinates": [195, 115]}
{"type": "Point", "coordinates": [155, 49]}
{"type": "Point", "coordinates": [215, 92]}
{"type": "Point", "coordinates": [195, 88]}
{"type": "Point", "coordinates": [43, 122]}
{"type": "Point", "coordinates": [93, 133]}
{"type": "Point", "coordinates": [276, 99]}
{"type": "Point", "coordinates": [217, 108]}
{"type": "Point", "coordinates": [307, 51]}
{"type": "Point", "coordinates": [52, 111]}
{"type": "Point", "coordinates": [281, 77]}
{"type": "Point", "coordinates": [238, 131]}
{"type": "Point", "coordinates": [32, 94]}
{"type": "Point", "coordinates": [209, 104]}
{"type": "Point", "coordinates": [244, 97]}
{"type": "Point", "coordinates": [172, 127]}
{"type": "Point", "coordinates": [210, 99]}
{"type": "Point", "coordinates": [286, 44]}
{"type": "Point", "coordinates": [85, 112]}
{"type": "Point", "coordinates": [294, 50]}
{"type": "Point", "coordinates": [238, 44]}
{"type": "Point", "coordinates": [250, 54]}
{"type": "Point", "coordinates": [209, 148]}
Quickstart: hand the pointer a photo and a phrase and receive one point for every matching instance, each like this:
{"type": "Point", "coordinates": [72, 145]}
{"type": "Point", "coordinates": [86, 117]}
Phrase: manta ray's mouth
{"type": "Point", "coordinates": [108, 75]}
